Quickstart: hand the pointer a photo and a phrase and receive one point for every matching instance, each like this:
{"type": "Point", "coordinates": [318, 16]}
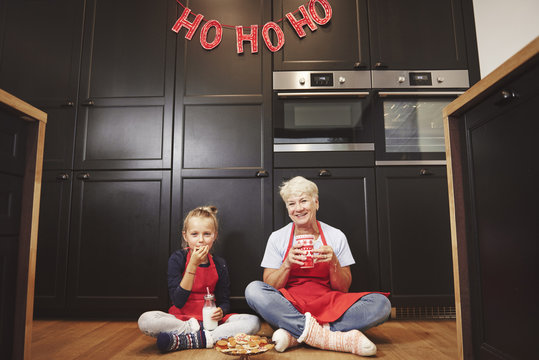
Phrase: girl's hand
{"type": "Point", "coordinates": [217, 314]}
{"type": "Point", "coordinates": [324, 254]}
{"type": "Point", "coordinates": [296, 255]}
{"type": "Point", "coordinates": [199, 255]}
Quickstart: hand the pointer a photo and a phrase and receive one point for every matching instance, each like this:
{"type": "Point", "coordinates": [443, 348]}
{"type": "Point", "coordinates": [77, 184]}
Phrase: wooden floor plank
{"type": "Point", "coordinates": [118, 340]}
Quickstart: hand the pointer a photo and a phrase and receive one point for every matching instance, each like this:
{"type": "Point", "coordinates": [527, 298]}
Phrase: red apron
{"type": "Point", "coordinates": [205, 277]}
{"type": "Point", "coordinates": [309, 290]}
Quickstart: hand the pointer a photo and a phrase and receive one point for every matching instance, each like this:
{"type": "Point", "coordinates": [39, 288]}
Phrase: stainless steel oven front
{"type": "Point", "coordinates": [408, 114]}
{"type": "Point", "coordinates": [322, 111]}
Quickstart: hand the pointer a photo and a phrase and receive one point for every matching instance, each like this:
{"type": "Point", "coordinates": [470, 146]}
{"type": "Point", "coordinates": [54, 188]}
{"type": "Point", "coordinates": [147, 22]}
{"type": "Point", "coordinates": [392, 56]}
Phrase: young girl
{"type": "Point", "coordinates": [192, 271]}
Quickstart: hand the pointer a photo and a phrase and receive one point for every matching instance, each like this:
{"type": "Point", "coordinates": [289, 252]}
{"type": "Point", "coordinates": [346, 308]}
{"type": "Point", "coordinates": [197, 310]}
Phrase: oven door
{"type": "Point", "coordinates": [329, 117]}
{"type": "Point", "coordinates": [409, 126]}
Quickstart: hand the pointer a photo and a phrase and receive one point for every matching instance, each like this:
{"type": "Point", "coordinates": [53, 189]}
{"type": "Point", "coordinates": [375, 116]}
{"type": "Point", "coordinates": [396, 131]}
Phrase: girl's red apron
{"type": "Point", "coordinates": [205, 277]}
{"type": "Point", "coordinates": [309, 290]}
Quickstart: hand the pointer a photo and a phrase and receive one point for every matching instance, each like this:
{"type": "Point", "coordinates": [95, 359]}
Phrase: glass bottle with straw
{"type": "Point", "coordinates": [207, 311]}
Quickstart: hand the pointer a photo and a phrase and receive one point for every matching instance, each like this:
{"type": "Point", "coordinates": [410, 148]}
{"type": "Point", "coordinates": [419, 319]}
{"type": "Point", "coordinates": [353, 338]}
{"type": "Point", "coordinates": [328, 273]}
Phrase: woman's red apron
{"type": "Point", "coordinates": [309, 290]}
{"type": "Point", "coordinates": [206, 277]}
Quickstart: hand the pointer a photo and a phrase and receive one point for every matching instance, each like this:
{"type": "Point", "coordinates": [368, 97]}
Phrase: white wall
{"type": "Point", "coordinates": [503, 28]}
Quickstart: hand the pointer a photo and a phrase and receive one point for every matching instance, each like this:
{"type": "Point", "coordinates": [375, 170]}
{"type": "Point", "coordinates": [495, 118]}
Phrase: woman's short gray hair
{"type": "Point", "coordinates": [297, 186]}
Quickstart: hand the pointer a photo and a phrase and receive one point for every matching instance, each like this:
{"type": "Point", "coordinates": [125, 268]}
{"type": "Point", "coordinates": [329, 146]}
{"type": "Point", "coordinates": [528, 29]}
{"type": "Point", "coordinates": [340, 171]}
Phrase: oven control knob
{"type": "Point", "coordinates": [342, 79]}
{"type": "Point", "coordinates": [302, 81]}
{"type": "Point", "coordinates": [440, 79]}
{"type": "Point", "coordinates": [401, 79]}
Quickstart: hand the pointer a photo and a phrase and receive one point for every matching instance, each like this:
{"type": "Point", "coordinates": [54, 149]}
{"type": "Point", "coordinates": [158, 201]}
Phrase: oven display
{"type": "Point", "coordinates": [322, 79]}
{"type": "Point", "coordinates": [420, 78]}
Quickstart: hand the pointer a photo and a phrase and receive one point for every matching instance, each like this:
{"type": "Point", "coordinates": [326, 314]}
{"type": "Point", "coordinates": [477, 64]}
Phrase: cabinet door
{"type": "Point", "coordinates": [119, 242]}
{"type": "Point", "coordinates": [40, 50]}
{"type": "Point", "coordinates": [244, 204]}
{"type": "Point", "coordinates": [53, 239]}
{"type": "Point", "coordinates": [417, 34]}
{"type": "Point", "coordinates": [501, 214]}
{"type": "Point", "coordinates": [39, 62]}
{"type": "Point", "coordinates": [415, 238]}
{"type": "Point", "coordinates": [341, 44]}
{"type": "Point", "coordinates": [127, 76]}
{"type": "Point", "coordinates": [12, 166]}
{"type": "Point", "coordinates": [222, 71]}
{"type": "Point", "coordinates": [347, 202]}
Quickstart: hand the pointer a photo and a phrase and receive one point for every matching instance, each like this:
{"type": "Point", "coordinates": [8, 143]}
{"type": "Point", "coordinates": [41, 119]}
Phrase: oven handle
{"type": "Point", "coordinates": [420, 93]}
{"type": "Point", "coordinates": [360, 94]}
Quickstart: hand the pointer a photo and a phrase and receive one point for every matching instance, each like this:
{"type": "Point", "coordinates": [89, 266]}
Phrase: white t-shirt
{"type": "Point", "coordinates": [278, 244]}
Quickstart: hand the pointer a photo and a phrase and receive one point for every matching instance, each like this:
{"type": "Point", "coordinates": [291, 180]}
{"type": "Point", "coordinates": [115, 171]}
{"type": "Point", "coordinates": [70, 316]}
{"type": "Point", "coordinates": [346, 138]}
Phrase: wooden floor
{"type": "Point", "coordinates": [62, 339]}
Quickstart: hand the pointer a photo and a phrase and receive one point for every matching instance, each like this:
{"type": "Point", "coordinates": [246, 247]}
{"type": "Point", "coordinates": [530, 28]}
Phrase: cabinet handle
{"type": "Point", "coordinates": [506, 97]}
{"type": "Point", "coordinates": [62, 177]}
{"type": "Point", "coordinates": [88, 103]}
{"type": "Point", "coordinates": [84, 176]}
{"type": "Point", "coordinates": [358, 65]}
{"type": "Point", "coordinates": [68, 103]}
{"type": "Point", "coordinates": [262, 173]}
{"type": "Point", "coordinates": [380, 64]}
{"type": "Point", "coordinates": [324, 173]}
{"type": "Point", "coordinates": [425, 172]}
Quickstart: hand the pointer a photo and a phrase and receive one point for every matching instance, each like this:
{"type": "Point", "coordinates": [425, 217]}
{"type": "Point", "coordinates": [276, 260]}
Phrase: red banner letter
{"type": "Point", "coordinates": [204, 34]}
{"type": "Point", "coordinates": [182, 21]}
{"type": "Point", "coordinates": [298, 24]}
{"type": "Point", "coordinates": [278, 32]}
{"type": "Point", "coordinates": [327, 10]}
{"type": "Point", "coordinates": [241, 37]}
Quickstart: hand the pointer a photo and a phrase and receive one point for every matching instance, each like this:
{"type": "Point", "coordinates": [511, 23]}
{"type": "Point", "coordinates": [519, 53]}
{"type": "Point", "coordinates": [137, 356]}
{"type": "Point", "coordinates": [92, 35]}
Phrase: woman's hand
{"type": "Point", "coordinates": [324, 254]}
{"type": "Point", "coordinates": [217, 314]}
{"type": "Point", "coordinates": [199, 255]}
{"type": "Point", "coordinates": [295, 256]}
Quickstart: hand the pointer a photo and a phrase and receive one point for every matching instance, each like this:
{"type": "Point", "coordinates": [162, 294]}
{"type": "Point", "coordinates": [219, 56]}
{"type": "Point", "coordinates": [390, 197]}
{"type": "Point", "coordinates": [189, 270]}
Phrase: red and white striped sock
{"type": "Point", "coordinates": [351, 341]}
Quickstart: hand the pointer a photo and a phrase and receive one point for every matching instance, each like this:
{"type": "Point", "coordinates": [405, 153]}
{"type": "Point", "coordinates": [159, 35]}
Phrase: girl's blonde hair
{"type": "Point", "coordinates": [297, 186]}
{"type": "Point", "coordinates": [208, 212]}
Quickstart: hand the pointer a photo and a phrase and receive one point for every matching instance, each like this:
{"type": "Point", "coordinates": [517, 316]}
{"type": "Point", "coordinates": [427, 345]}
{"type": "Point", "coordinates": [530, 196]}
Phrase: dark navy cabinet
{"type": "Point", "coordinates": [414, 235]}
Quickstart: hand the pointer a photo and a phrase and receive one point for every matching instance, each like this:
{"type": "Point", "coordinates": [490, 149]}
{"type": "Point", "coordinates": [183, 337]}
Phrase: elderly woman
{"type": "Point", "coordinates": [313, 305]}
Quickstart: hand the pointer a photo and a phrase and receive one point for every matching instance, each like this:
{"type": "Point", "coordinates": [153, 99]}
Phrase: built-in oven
{"type": "Point", "coordinates": [408, 114]}
{"type": "Point", "coordinates": [322, 111]}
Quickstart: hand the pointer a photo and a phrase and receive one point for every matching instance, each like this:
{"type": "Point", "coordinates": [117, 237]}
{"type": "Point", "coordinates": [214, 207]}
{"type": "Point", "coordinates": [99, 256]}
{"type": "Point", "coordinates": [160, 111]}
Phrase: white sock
{"type": "Point", "coordinates": [283, 340]}
{"type": "Point", "coordinates": [193, 325]}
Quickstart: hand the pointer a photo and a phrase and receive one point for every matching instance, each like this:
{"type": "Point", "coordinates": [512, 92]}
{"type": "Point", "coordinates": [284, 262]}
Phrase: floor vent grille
{"type": "Point", "coordinates": [423, 313]}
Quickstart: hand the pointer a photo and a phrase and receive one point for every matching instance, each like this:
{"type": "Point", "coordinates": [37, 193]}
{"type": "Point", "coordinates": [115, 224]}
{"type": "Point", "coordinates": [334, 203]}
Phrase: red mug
{"type": "Point", "coordinates": [306, 242]}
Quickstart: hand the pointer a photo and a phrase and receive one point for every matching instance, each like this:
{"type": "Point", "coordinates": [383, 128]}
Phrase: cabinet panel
{"type": "Point", "coordinates": [222, 71]}
{"type": "Point", "coordinates": [415, 238]}
{"type": "Point", "coordinates": [8, 274]}
{"type": "Point", "coordinates": [119, 241]}
{"type": "Point", "coordinates": [243, 219]}
{"type": "Point", "coordinates": [12, 143]}
{"type": "Point", "coordinates": [10, 203]}
{"type": "Point", "coordinates": [41, 49]}
{"type": "Point", "coordinates": [59, 138]}
{"type": "Point", "coordinates": [127, 78]}
{"type": "Point", "coordinates": [341, 44]}
{"type": "Point", "coordinates": [126, 48]}
{"type": "Point", "coordinates": [347, 202]}
{"type": "Point", "coordinates": [53, 239]}
{"type": "Point", "coordinates": [502, 214]}
{"type": "Point", "coordinates": [218, 136]}
{"type": "Point", "coordinates": [417, 34]}
{"type": "Point", "coordinates": [123, 136]}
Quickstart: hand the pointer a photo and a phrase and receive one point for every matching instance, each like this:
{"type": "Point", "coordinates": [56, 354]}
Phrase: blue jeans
{"type": "Point", "coordinates": [371, 310]}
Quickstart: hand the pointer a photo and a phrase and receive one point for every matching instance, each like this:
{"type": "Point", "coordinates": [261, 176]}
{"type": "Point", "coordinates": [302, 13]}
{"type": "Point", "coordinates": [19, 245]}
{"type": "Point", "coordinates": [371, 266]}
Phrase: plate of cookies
{"type": "Point", "coordinates": [244, 345]}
